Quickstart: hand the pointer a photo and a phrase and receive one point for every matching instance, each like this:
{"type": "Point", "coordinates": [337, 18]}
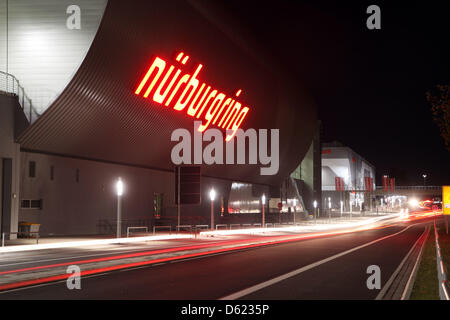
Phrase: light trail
{"type": "Point", "coordinates": [69, 244]}
{"type": "Point", "coordinates": [239, 245]}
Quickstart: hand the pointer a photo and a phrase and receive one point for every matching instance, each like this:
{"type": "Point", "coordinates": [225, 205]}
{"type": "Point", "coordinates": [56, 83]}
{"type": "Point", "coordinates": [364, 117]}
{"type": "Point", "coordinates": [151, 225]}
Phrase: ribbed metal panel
{"type": "Point", "coordinates": [99, 117]}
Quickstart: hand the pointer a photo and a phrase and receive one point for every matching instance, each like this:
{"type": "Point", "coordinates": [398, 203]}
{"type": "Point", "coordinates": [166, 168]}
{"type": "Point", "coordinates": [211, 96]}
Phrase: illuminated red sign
{"type": "Point", "coordinates": [165, 84]}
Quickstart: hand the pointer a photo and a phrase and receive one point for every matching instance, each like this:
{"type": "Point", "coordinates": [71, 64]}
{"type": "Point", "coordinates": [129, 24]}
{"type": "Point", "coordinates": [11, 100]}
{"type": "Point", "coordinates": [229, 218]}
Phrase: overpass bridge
{"type": "Point", "coordinates": [419, 192]}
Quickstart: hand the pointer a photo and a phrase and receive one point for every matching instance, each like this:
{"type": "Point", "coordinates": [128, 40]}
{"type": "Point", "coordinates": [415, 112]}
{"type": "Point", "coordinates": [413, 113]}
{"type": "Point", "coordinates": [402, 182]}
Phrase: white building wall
{"type": "Point", "coordinates": [43, 54]}
{"type": "Point", "coordinates": [71, 207]}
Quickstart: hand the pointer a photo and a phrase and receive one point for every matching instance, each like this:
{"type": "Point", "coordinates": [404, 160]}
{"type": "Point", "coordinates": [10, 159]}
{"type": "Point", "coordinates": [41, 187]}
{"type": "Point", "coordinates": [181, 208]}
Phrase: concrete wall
{"type": "Point", "coordinates": [77, 208]}
{"type": "Point", "coordinates": [42, 52]}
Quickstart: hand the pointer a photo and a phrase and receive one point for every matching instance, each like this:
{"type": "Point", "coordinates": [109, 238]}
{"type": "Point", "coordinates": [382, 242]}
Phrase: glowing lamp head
{"type": "Point", "coordinates": [413, 202]}
{"type": "Point", "coordinates": [119, 187]}
{"type": "Point", "coordinates": [212, 194]}
{"type": "Point", "coordinates": [263, 199]}
{"type": "Point", "coordinates": [315, 204]}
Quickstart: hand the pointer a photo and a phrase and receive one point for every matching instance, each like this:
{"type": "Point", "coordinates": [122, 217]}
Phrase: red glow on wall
{"type": "Point", "coordinates": [166, 85]}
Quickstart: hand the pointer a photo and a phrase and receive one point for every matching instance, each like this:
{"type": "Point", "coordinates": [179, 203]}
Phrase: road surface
{"type": "Point", "coordinates": [323, 268]}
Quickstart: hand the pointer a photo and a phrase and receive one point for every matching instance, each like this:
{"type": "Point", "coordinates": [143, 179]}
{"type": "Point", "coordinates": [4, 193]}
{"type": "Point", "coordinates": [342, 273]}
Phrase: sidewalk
{"type": "Point", "coordinates": [335, 222]}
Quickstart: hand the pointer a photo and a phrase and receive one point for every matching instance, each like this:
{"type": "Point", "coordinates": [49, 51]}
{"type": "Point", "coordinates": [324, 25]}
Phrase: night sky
{"type": "Point", "coordinates": [369, 85]}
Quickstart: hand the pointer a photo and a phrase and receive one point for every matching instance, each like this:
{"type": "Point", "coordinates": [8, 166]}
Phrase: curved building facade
{"type": "Point", "coordinates": [155, 67]}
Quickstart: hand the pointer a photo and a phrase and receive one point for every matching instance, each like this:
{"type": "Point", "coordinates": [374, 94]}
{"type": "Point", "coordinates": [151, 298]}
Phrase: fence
{"type": "Point", "coordinates": [442, 273]}
{"type": "Point", "coordinates": [10, 85]}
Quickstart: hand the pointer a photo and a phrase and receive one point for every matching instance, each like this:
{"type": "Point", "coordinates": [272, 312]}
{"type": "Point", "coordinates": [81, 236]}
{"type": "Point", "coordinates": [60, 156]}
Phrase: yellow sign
{"type": "Point", "coordinates": [446, 199]}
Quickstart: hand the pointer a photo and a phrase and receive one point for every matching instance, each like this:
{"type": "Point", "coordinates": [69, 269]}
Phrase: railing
{"type": "Point", "coordinates": [136, 228]}
{"type": "Point", "coordinates": [10, 85]}
{"type": "Point", "coordinates": [109, 226]}
{"type": "Point", "coordinates": [442, 273]}
{"type": "Point", "coordinates": [20, 232]}
{"type": "Point", "coordinates": [413, 187]}
{"type": "Point", "coordinates": [162, 227]}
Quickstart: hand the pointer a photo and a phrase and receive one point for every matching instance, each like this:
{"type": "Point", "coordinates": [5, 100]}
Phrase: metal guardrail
{"type": "Point", "coordinates": [10, 84]}
{"type": "Point", "coordinates": [413, 187]}
{"type": "Point", "coordinates": [162, 227]}
{"type": "Point", "coordinates": [202, 226]}
{"type": "Point", "coordinates": [184, 226]}
{"type": "Point", "coordinates": [20, 232]}
{"type": "Point", "coordinates": [444, 291]}
{"type": "Point", "coordinates": [131, 228]}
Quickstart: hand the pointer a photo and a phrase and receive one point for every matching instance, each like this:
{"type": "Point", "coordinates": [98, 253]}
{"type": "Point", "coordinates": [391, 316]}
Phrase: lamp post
{"type": "Point", "coordinates": [351, 208]}
{"type": "Point", "coordinates": [119, 191]}
{"type": "Point", "coordinates": [424, 179]}
{"type": "Point", "coordinates": [263, 202]}
{"type": "Point", "coordinates": [212, 196]}
{"type": "Point", "coordinates": [295, 204]}
{"type": "Point", "coordinates": [329, 208]}
{"type": "Point", "coordinates": [315, 207]}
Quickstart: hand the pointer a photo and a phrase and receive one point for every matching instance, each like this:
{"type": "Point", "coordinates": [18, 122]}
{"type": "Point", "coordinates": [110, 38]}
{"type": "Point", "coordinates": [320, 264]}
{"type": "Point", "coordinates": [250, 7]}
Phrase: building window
{"type": "Point", "coordinates": [32, 169]}
{"type": "Point", "coordinates": [52, 173]}
{"type": "Point", "coordinates": [31, 204]}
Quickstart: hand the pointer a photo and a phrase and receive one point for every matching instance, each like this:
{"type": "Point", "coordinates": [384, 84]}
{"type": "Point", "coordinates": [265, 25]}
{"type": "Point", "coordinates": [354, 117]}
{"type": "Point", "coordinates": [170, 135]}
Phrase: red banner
{"type": "Point", "coordinates": [385, 183]}
{"type": "Point", "coordinates": [368, 182]}
{"type": "Point", "coordinates": [392, 184]}
{"type": "Point", "coordinates": [339, 183]}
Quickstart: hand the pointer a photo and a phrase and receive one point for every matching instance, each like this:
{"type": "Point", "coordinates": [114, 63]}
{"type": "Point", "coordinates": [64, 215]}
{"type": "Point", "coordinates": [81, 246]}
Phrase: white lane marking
{"type": "Point", "coordinates": [408, 288]}
{"type": "Point", "coordinates": [399, 267]}
{"type": "Point", "coordinates": [270, 282]}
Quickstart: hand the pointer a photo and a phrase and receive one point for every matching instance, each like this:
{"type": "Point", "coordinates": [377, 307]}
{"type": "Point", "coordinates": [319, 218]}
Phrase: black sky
{"type": "Point", "coordinates": [369, 85]}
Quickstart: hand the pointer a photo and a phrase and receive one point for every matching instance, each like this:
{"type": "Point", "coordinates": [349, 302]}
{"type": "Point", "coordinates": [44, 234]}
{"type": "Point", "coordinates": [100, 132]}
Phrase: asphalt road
{"type": "Point", "coordinates": [218, 276]}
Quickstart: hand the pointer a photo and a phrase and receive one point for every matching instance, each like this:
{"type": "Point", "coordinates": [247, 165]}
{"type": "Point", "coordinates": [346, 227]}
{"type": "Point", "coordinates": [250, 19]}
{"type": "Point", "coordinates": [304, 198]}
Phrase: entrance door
{"type": "Point", "coordinates": [6, 195]}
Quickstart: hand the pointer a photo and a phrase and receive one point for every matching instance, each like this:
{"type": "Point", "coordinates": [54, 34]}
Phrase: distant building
{"type": "Point", "coordinates": [347, 177]}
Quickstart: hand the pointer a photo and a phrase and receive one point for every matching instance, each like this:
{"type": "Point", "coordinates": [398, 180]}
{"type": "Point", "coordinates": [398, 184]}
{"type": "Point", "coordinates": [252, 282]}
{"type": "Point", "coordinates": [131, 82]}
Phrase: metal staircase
{"type": "Point", "coordinates": [9, 85]}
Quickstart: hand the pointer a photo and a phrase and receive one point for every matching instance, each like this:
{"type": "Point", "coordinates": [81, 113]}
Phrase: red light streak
{"type": "Point", "coordinates": [150, 262]}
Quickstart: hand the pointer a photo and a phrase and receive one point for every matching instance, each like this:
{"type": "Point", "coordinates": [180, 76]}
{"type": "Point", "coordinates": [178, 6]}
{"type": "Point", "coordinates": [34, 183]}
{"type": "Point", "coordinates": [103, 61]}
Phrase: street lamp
{"type": "Point", "coordinates": [342, 207]}
{"type": "Point", "coordinates": [263, 202]}
{"type": "Point", "coordinates": [212, 196]}
{"type": "Point", "coordinates": [119, 192]}
{"type": "Point", "coordinates": [329, 207]}
{"type": "Point", "coordinates": [295, 205]}
{"type": "Point", "coordinates": [424, 179]}
{"type": "Point", "coordinates": [315, 207]}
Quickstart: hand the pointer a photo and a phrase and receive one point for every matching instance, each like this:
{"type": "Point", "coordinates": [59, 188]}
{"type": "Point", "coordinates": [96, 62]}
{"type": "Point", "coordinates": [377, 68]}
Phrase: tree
{"type": "Point", "coordinates": [440, 107]}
